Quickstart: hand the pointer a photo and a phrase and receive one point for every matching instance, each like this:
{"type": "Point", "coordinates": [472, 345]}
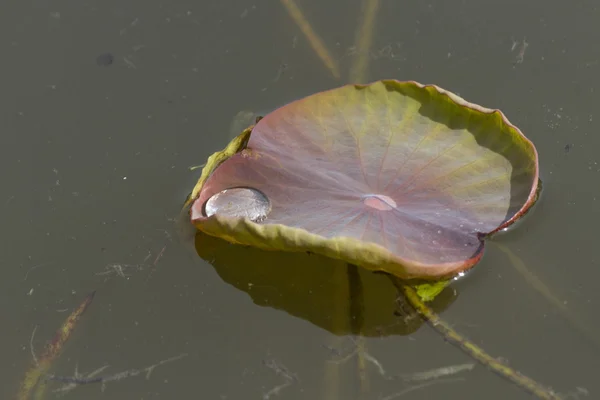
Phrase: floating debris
{"type": "Point", "coordinates": [282, 371]}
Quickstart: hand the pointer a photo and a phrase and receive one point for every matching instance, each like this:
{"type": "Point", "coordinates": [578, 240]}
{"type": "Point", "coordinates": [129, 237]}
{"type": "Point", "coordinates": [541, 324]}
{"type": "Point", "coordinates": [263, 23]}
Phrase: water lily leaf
{"type": "Point", "coordinates": [392, 176]}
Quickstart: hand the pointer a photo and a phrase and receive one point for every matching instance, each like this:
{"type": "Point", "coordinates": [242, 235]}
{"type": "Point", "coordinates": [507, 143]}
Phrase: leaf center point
{"type": "Point", "coordinates": [379, 202]}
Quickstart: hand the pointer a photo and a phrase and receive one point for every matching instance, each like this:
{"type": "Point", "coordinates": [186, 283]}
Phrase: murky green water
{"type": "Point", "coordinates": [106, 104]}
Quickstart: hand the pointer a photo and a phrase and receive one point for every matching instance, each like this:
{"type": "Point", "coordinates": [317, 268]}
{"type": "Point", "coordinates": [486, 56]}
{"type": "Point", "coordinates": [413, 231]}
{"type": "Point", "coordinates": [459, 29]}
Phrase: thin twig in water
{"type": "Point", "coordinates": [282, 371]}
{"type": "Point", "coordinates": [76, 380]}
{"type": "Point", "coordinates": [354, 352]}
{"type": "Point", "coordinates": [275, 391]}
{"type": "Point", "coordinates": [375, 362]}
{"type": "Point", "coordinates": [421, 386]}
{"type": "Point", "coordinates": [282, 68]}
{"type": "Point", "coordinates": [194, 167]}
{"type": "Point", "coordinates": [167, 234]}
{"type": "Point", "coordinates": [361, 351]}
{"type": "Point", "coordinates": [147, 257]}
{"type": "Point", "coordinates": [345, 358]}
{"type": "Point", "coordinates": [119, 269]}
{"type": "Point", "coordinates": [333, 350]}
{"type": "Point", "coordinates": [477, 353]}
{"type": "Point", "coordinates": [437, 372]}
{"type": "Point", "coordinates": [521, 54]}
{"type": "Point", "coordinates": [35, 267]}
{"type": "Point", "coordinates": [577, 393]}
{"type": "Point", "coordinates": [158, 257]}
{"type": "Point", "coordinates": [72, 385]}
{"type": "Point", "coordinates": [35, 360]}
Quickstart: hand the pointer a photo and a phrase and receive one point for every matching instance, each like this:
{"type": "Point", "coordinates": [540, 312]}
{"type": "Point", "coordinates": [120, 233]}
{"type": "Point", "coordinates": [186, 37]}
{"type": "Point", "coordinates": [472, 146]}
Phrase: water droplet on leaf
{"type": "Point", "coordinates": [239, 202]}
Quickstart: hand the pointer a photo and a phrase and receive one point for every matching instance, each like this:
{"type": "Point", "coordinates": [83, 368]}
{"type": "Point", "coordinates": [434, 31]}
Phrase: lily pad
{"type": "Point", "coordinates": [392, 176]}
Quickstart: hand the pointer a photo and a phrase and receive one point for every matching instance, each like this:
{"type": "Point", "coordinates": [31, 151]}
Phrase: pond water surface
{"type": "Point", "coordinates": [105, 106]}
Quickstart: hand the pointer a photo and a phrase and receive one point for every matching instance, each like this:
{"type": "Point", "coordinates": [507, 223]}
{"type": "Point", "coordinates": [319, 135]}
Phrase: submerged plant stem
{"type": "Point", "coordinates": [356, 317]}
{"type": "Point", "coordinates": [314, 40]}
{"type": "Point", "coordinates": [339, 321]}
{"type": "Point", "coordinates": [548, 294]}
{"type": "Point", "coordinates": [471, 349]}
{"type": "Point", "coordinates": [364, 38]}
{"type": "Point", "coordinates": [34, 378]}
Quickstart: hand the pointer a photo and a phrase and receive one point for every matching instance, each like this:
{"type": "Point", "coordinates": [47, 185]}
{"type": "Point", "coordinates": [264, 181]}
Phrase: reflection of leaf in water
{"type": "Point", "coordinates": [312, 287]}
{"type": "Point", "coordinates": [341, 298]}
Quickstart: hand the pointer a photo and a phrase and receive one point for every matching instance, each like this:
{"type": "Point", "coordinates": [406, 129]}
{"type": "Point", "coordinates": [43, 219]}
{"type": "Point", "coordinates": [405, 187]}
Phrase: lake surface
{"type": "Point", "coordinates": [106, 105]}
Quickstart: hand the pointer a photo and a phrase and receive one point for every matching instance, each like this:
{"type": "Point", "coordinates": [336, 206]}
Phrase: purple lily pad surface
{"type": "Point", "coordinates": [392, 176]}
